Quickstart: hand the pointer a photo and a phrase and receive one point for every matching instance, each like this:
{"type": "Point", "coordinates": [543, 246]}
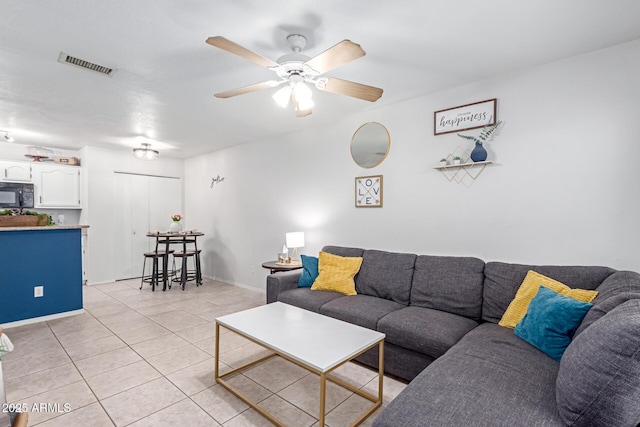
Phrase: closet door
{"type": "Point", "coordinates": [143, 203]}
{"type": "Point", "coordinates": [165, 199]}
{"type": "Point", "coordinates": [131, 223]}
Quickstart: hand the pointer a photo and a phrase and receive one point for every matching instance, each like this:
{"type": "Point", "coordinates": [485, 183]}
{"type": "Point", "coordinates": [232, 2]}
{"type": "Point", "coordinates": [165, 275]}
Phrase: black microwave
{"type": "Point", "coordinates": [16, 195]}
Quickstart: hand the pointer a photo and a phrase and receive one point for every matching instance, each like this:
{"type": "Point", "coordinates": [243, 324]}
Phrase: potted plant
{"type": "Point", "coordinates": [456, 160]}
{"type": "Point", "coordinates": [479, 153]}
{"type": "Point", "coordinates": [21, 218]}
{"type": "Point", "coordinates": [443, 162]}
{"type": "Point", "coordinates": [175, 226]}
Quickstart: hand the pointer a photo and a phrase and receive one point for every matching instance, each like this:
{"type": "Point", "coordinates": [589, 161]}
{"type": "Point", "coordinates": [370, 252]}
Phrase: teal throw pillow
{"type": "Point", "coordinates": [309, 271]}
{"type": "Point", "coordinates": [551, 321]}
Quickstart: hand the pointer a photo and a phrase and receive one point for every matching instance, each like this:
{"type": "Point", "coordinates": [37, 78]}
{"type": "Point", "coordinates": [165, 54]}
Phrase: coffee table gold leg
{"type": "Point", "coordinates": [323, 395]}
{"type": "Point", "coordinates": [217, 351]}
{"type": "Point", "coordinates": [380, 369]}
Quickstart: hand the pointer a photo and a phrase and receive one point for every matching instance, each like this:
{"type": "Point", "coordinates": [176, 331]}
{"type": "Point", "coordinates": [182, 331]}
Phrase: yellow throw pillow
{"type": "Point", "coordinates": [529, 288]}
{"type": "Point", "coordinates": [336, 273]}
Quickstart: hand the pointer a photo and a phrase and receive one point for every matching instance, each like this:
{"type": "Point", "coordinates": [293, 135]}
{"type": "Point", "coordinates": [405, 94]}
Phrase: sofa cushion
{"type": "Point", "coordinates": [616, 289]}
{"type": "Point", "coordinates": [502, 280]}
{"type": "Point", "coordinates": [425, 330]}
{"type": "Point", "coordinates": [362, 310]}
{"type": "Point", "coordinates": [598, 382]}
{"type": "Point", "coordinates": [386, 275]}
{"type": "Point", "coordinates": [307, 299]}
{"type": "Point", "coordinates": [336, 273]}
{"type": "Point", "coordinates": [309, 271]}
{"type": "Point", "coordinates": [451, 284]}
{"type": "Point", "coordinates": [528, 290]}
{"type": "Point", "coordinates": [343, 251]}
{"type": "Point", "coordinates": [490, 378]}
{"type": "Point", "coordinates": [551, 321]}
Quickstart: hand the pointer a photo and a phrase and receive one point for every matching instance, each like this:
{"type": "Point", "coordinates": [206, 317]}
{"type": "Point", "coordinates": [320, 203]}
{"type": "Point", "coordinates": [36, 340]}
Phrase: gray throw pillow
{"type": "Point", "coordinates": [598, 381]}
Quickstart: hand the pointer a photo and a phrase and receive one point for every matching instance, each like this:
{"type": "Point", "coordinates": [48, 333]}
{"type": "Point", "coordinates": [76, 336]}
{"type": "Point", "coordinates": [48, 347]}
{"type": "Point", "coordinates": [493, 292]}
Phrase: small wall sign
{"type": "Point", "coordinates": [465, 117]}
{"type": "Point", "coordinates": [217, 180]}
{"type": "Point", "coordinates": [369, 191]}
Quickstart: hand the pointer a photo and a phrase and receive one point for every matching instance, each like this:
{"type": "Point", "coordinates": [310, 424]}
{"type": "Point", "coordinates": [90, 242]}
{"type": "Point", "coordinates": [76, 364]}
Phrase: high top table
{"type": "Point", "coordinates": [313, 341]}
{"type": "Point", "coordinates": [183, 238]}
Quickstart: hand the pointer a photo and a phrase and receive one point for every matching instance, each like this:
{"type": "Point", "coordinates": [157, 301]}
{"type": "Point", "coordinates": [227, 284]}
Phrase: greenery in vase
{"type": "Point", "coordinates": [485, 134]}
{"type": "Point", "coordinates": [176, 217]}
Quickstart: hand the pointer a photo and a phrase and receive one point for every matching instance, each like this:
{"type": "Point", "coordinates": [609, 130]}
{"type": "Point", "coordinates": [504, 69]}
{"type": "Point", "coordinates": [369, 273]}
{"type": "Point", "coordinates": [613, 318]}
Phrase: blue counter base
{"type": "Point", "coordinates": [48, 258]}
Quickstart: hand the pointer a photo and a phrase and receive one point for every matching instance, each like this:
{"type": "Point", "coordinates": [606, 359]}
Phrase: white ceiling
{"type": "Point", "coordinates": [167, 75]}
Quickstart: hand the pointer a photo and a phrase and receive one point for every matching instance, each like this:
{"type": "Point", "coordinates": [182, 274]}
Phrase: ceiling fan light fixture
{"type": "Point", "coordinates": [303, 96]}
{"type": "Point", "coordinates": [304, 103]}
{"type": "Point", "coordinates": [146, 152]}
{"type": "Point", "coordinates": [302, 91]}
{"type": "Point", "coordinates": [282, 96]}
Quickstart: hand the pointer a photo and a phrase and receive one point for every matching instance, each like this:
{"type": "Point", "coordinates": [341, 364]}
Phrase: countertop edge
{"type": "Point", "coordinates": [43, 227]}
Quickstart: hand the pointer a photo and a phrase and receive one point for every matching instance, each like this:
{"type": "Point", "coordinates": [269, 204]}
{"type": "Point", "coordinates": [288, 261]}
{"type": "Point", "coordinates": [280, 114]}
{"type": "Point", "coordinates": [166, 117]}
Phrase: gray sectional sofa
{"type": "Point", "coordinates": [440, 315]}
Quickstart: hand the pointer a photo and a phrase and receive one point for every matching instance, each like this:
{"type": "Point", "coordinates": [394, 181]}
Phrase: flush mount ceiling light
{"type": "Point", "coordinates": [146, 152]}
{"type": "Point", "coordinates": [7, 137]}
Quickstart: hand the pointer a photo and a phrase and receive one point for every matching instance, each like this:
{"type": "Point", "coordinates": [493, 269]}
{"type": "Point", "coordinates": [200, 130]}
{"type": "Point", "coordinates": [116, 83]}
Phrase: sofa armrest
{"type": "Point", "coordinates": [281, 281]}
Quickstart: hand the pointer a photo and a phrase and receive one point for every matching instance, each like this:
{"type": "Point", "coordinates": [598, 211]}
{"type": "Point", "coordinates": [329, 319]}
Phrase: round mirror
{"type": "Point", "coordinates": [370, 144]}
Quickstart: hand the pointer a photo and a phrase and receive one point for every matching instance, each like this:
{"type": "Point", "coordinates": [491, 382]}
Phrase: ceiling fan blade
{"type": "Point", "coordinates": [303, 113]}
{"type": "Point", "coordinates": [236, 49]}
{"type": "Point", "coordinates": [335, 56]}
{"type": "Point", "coordinates": [344, 87]}
{"type": "Point", "coordinates": [247, 89]}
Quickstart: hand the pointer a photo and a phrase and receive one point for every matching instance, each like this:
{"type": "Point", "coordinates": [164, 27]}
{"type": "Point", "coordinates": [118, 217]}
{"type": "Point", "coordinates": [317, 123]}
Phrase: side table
{"type": "Point", "coordinates": [274, 266]}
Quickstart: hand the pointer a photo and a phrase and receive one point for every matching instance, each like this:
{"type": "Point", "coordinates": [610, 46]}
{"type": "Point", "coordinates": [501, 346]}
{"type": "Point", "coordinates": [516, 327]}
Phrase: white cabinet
{"type": "Point", "coordinates": [57, 186]}
{"type": "Point", "coordinates": [15, 171]}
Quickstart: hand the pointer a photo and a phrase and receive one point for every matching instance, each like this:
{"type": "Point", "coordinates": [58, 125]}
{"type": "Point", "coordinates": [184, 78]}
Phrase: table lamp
{"type": "Point", "coordinates": [295, 240]}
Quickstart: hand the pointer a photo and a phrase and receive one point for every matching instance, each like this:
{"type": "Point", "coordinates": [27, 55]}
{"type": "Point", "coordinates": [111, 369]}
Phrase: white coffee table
{"type": "Point", "coordinates": [313, 341]}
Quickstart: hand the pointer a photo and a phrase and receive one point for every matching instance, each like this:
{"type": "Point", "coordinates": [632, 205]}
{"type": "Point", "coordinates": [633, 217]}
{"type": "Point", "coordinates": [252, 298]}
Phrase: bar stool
{"type": "Point", "coordinates": [186, 274]}
{"type": "Point", "coordinates": [156, 274]}
{"type": "Point", "coordinates": [165, 261]}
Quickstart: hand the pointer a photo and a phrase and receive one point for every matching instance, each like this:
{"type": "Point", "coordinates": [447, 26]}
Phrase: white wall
{"type": "Point", "coordinates": [99, 196]}
{"type": "Point", "coordinates": [563, 190]}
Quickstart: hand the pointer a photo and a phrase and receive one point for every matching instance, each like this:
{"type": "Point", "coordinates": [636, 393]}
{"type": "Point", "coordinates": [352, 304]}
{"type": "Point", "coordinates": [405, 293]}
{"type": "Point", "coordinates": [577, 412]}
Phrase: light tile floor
{"type": "Point", "coordinates": [143, 358]}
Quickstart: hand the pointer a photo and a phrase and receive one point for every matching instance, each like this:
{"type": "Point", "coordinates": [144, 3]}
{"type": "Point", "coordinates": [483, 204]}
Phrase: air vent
{"type": "Point", "coordinates": [72, 60]}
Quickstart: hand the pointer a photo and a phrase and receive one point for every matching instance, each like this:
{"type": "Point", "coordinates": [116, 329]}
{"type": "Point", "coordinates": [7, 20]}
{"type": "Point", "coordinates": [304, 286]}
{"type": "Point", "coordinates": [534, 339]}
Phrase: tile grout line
{"type": "Point", "coordinates": [99, 298]}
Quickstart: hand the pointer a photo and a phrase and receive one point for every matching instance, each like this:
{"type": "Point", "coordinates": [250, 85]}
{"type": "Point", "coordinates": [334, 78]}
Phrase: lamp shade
{"type": "Point", "coordinates": [295, 239]}
{"type": "Point", "coordinates": [282, 96]}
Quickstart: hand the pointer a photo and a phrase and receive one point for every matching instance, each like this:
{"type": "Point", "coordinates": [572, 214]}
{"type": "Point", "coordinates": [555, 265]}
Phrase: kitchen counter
{"type": "Point", "coordinates": [44, 227]}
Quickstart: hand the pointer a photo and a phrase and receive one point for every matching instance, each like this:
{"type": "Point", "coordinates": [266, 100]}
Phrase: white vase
{"type": "Point", "coordinates": [175, 227]}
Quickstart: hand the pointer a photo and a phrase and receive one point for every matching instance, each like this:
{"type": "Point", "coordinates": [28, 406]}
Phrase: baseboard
{"type": "Point", "coordinates": [41, 318]}
{"type": "Point", "coordinates": [240, 285]}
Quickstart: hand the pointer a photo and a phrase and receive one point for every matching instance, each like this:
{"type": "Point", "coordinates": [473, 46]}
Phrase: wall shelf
{"type": "Point", "coordinates": [463, 165]}
{"type": "Point", "coordinates": [466, 172]}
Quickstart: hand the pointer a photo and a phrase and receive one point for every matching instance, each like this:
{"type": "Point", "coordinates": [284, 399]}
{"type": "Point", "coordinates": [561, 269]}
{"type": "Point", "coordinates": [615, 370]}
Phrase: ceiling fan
{"type": "Point", "coordinates": [296, 70]}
